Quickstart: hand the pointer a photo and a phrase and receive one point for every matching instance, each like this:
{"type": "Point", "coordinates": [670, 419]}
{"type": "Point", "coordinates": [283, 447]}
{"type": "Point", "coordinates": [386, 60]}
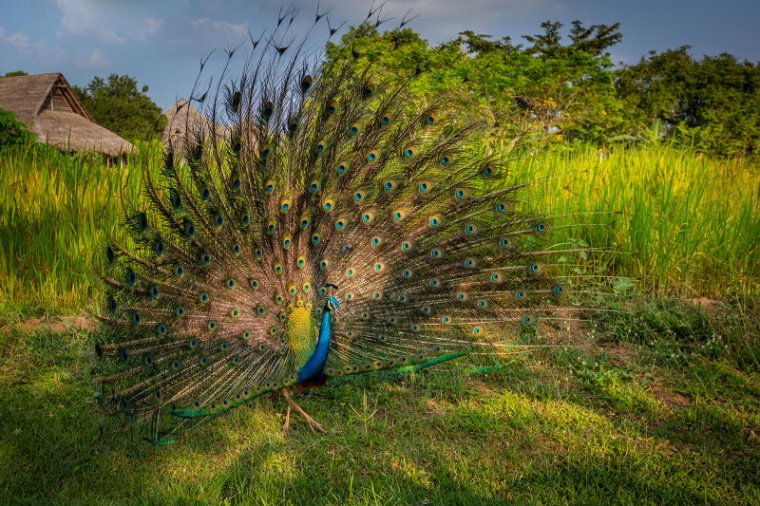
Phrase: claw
{"type": "Point", "coordinates": [313, 425]}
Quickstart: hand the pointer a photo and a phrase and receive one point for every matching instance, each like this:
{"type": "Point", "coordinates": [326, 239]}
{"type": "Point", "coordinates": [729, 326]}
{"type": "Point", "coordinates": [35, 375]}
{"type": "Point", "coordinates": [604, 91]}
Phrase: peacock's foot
{"type": "Point", "coordinates": [313, 425]}
{"type": "Point", "coordinates": [286, 425]}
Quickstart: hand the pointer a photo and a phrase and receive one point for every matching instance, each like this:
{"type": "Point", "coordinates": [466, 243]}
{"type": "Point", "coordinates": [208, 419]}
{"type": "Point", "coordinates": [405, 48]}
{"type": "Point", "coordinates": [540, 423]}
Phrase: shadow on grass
{"type": "Point", "coordinates": [436, 437]}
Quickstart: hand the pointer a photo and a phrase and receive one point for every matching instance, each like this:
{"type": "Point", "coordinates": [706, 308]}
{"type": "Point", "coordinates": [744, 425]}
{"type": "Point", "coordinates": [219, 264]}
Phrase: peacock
{"type": "Point", "coordinates": [337, 223]}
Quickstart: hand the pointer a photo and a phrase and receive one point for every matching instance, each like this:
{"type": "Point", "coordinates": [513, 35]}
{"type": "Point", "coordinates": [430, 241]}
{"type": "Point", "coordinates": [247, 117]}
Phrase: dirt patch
{"type": "Point", "coordinates": [670, 398]}
{"type": "Point", "coordinates": [567, 326]}
{"type": "Point", "coordinates": [710, 306]}
{"type": "Point", "coordinates": [622, 354]}
{"type": "Point", "coordinates": [57, 324]}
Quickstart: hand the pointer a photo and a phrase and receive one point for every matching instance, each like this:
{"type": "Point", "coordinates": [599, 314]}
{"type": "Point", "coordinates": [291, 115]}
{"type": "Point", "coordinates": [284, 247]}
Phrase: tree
{"type": "Point", "coordinates": [712, 104]}
{"type": "Point", "coordinates": [118, 105]}
{"type": "Point", "coordinates": [16, 73]}
{"type": "Point", "coordinates": [547, 87]}
{"type": "Point", "coordinates": [12, 132]}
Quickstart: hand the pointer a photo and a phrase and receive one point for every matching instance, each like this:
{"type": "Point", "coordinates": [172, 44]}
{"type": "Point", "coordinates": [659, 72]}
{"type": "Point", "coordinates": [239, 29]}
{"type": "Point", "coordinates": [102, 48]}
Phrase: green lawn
{"type": "Point", "coordinates": [658, 405]}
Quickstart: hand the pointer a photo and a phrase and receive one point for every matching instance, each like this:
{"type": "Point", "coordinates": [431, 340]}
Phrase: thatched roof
{"type": "Point", "coordinates": [183, 117]}
{"type": "Point", "coordinates": [48, 106]}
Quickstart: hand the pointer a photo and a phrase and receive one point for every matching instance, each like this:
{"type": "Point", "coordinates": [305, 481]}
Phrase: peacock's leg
{"type": "Point", "coordinates": [286, 425]}
{"type": "Point", "coordinates": [313, 425]}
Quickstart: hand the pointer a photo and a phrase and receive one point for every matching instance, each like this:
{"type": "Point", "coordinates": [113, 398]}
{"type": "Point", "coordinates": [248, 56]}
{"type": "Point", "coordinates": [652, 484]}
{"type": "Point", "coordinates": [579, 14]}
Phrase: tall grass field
{"type": "Point", "coordinates": [677, 223]}
{"type": "Point", "coordinates": [654, 404]}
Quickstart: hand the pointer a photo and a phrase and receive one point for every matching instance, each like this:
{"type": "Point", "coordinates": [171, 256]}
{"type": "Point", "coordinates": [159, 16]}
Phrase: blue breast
{"type": "Point", "coordinates": [313, 369]}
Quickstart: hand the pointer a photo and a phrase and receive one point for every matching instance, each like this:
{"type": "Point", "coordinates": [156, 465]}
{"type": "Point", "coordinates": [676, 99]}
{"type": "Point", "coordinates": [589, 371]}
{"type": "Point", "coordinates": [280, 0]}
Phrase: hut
{"type": "Point", "coordinates": [182, 120]}
{"type": "Point", "coordinates": [47, 105]}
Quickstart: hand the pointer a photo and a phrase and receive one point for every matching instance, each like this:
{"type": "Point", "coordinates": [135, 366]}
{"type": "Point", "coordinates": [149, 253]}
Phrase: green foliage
{"type": "Point", "coordinates": [55, 212]}
{"type": "Point", "coordinates": [12, 132]}
{"type": "Point", "coordinates": [15, 73]}
{"type": "Point", "coordinates": [119, 106]}
{"type": "Point", "coordinates": [677, 222]}
{"type": "Point", "coordinates": [674, 222]}
{"type": "Point", "coordinates": [712, 104]}
{"type": "Point", "coordinates": [568, 88]}
{"type": "Point", "coordinates": [546, 88]}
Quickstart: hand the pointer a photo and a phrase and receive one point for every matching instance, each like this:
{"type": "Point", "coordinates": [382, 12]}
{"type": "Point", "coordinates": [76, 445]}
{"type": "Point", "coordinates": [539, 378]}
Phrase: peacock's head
{"type": "Point", "coordinates": [332, 303]}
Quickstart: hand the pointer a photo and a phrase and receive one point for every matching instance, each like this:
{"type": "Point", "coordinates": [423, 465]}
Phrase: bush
{"type": "Point", "coordinates": [12, 132]}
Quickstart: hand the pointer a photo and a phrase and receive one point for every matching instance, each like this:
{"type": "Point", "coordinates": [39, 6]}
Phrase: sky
{"type": "Point", "coordinates": [160, 43]}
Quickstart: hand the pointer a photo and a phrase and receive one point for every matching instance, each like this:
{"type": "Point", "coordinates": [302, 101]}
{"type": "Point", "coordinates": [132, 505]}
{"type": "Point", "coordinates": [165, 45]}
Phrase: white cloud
{"type": "Point", "coordinates": [232, 30]}
{"type": "Point", "coordinates": [90, 58]}
{"type": "Point", "coordinates": [21, 42]}
{"type": "Point", "coordinates": [34, 49]}
{"type": "Point", "coordinates": [81, 17]}
{"type": "Point", "coordinates": [148, 28]}
{"type": "Point", "coordinates": [46, 54]}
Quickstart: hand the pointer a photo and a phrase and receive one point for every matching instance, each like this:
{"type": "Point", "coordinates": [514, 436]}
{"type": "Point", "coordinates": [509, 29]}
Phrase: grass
{"type": "Point", "coordinates": [661, 407]}
{"type": "Point", "coordinates": [55, 212]}
{"type": "Point", "coordinates": [681, 224]}
{"type": "Point", "coordinates": [641, 417]}
{"type": "Point", "coordinates": [678, 223]}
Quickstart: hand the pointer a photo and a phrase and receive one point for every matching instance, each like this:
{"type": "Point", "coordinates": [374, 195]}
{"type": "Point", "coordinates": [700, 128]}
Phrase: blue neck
{"type": "Point", "coordinates": [314, 367]}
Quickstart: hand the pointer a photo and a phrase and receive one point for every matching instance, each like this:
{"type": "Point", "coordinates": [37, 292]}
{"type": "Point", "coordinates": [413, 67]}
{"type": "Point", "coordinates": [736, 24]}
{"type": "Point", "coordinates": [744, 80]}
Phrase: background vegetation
{"type": "Point", "coordinates": [118, 105]}
{"type": "Point", "coordinates": [657, 403]}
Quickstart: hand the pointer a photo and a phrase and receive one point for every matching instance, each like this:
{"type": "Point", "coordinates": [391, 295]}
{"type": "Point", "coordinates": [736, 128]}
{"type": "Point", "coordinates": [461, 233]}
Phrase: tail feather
{"type": "Point", "coordinates": [326, 175]}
